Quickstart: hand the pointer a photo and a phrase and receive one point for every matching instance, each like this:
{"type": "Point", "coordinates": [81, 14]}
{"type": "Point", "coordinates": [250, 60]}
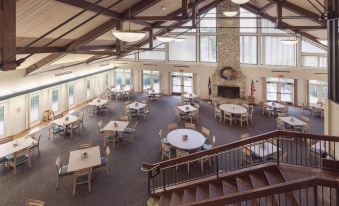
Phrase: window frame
{"type": "Point", "coordinates": [58, 103]}
{"type": "Point", "coordinates": [35, 121]}
{"type": "Point", "coordinates": [68, 94]}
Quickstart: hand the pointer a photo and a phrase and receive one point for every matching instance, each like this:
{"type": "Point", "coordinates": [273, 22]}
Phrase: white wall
{"type": "Point", "coordinates": [17, 108]}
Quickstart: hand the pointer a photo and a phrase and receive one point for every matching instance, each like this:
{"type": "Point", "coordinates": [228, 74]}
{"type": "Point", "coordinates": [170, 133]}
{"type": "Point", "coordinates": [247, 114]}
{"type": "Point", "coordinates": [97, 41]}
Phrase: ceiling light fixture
{"type": "Point", "coordinates": [230, 12]}
{"type": "Point", "coordinates": [240, 1]}
{"type": "Point", "coordinates": [165, 38]}
{"type": "Point", "coordinates": [323, 41]}
{"type": "Point", "coordinates": [289, 41]}
{"type": "Point", "coordinates": [129, 35]}
{"type": "Point", "coordinates": [179, 39]}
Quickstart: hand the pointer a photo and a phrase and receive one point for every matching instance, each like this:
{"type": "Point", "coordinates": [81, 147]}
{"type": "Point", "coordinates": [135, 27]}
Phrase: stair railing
{"type": "Point", "coordinates": [310, 150]}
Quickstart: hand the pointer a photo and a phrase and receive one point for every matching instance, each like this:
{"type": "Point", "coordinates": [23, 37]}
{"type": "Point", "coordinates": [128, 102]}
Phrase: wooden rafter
{"type": "Point", "coordinates": [92, 35]}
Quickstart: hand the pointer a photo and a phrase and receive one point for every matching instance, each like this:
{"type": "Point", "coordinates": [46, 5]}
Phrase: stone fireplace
{"type": "Point", "coordinates": [228, 51]}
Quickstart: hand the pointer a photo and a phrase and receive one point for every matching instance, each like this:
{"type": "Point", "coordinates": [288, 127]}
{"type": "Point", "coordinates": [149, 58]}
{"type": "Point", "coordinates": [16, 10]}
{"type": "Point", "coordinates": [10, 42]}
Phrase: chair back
{"type": "Point", "coordinates": [108, 152]}
{"type": "Point", "coordinates": [123, 117]}
{"type": "Point", "coordinates": [85, 145]}
{"type": "Point", "coordinates": [82, 173]}
{"type": "Point", "coordinates": [33, 202]}
{"type": "Point", "coordinates": [245, 136]}
{"type": "Point", "coordinates": [160, 133]}
{"type": "Point", "coordinates": [213, 140]}
{"type": "Point", "coordinates": [181, 153]}
{"type": "Point", "coordinates": [245, 105]}
{"type": "Point", "coordinates": [99, 124]}
{"type": "Point", "coordinates": [190, 125]}
{"type": "Point", "coordinates": [6, 139]}
{"type": "Point", "coordinates": [81, 115]}
{"type": "Point", "coordinates": [36, 137]}
{"type": "Point", "coordinates": [58, 116]}
{"type": "Point", "coordinates": [58, 163]}
{"type": "Point", "coordinates": [134, 125]}
{"type": "Point", "coordinates": [172, 126]}
{"type": "Point", "coordinates": [205, 131]}
{"type": "Point", "coordinates": [23, 152]}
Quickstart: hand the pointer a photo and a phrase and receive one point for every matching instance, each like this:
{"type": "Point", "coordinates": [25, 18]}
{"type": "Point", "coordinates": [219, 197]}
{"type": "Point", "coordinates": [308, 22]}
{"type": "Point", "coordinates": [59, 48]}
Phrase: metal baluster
{"type": "Point", "coordinates": [217, 166]}
{"type": "Point", "coordinates": [315, 194]}
{"type": "Point", "coordinates": [278, 151]}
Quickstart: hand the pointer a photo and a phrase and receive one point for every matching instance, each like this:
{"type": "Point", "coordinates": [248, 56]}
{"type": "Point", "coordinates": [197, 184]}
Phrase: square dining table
{"type": "Point", "coordinates": [67, 120]}
{"type": "Point", "coordinates": [11, 147]}
{"type": "Point", "coordinates": [78, 161]}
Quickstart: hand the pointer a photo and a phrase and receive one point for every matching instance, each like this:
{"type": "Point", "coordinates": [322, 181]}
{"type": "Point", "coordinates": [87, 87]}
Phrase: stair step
{"type": "Point", "coordinates": [243, 184]}
{"type": "Point", "coordinates": [228, 187]}
{"type": "Point", "coordinates": [189, 196]}
{"type": "Point", "coordinates": [176, 198]}
{"type": "Point", "coordinates": [165, 199]}
{"type": "Point", "coordinates": [215, 190]}
{"type": "Point", "coordinates": [202, 193]}
{"type": "Point", "coordinates": [259, 180]}
{"type": "Point", "coordinates": [273, 177]}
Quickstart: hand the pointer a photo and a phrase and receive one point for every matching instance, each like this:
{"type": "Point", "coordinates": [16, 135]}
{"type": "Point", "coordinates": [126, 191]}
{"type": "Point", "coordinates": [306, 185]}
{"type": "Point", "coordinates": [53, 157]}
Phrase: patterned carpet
{"type": "Point", "coordinates": [126, 184]}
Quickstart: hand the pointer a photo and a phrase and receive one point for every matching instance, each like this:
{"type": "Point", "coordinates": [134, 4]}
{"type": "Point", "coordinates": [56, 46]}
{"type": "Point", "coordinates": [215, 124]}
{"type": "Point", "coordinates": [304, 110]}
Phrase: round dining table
{"type": "Point", "coordinates": [185, 139]}
{"type": "Point", "coordinates": [233, 108]}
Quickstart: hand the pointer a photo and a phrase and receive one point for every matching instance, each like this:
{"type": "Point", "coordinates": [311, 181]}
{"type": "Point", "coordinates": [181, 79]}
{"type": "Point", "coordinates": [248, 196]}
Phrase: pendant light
{"type": "Point", "coordinates": [289, 41]}
{"type": "Point", "coordinates": [165, 38]}
{"type": "Point", "coordinates": [240, 1]}
{"type": "Point", "coordinates": [129, 35]}
{"type": "Point", "coordinates": [230, 13]}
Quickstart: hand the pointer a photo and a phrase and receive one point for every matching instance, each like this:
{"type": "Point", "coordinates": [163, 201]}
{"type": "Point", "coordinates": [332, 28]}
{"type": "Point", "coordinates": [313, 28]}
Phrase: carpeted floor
{"type": "Point", "coordinates": [126, 184]}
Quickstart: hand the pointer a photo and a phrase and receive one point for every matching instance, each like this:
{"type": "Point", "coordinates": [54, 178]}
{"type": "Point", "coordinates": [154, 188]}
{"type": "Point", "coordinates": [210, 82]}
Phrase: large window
{"type": "Point", "coordinates": [55, 100]}
{"type": "Point", "coordinates": [71, 95]}
{"type": "Point", "coordinates": [88, 88]}
{"type": "Point", "coordinates": [151, 80]}
{"type": "Point", "coordinates": [268, 27]}
{"type": "Point", "coordinates": [152, 55]}
{"type": "Point", "coordinates": [313, 56]}
{"type": "Point", "coordinates": [183, 51]}
{"type": "Point", "coordinates": [280, 89]}
{"type": "Point", "coordinates": [208, 21]}
{"type": "Point", "coordinates": [277, 53]}
{"type": "Point", "coordinates": [34, 108]}
{"type": "Point", "coordinates": [317, 91]}
{"type": "Point", "coordinates": [248, 21]}
{"type": "Point", "coordinates": [123, 78]}
{"type": "Point", "coordinates": [248, 50]}
{"type": "Point", "coordinates": [2, 120]}
{"type": "Point", "coordinates": [208, 49]}
{"type": "Point", "coordinates": [182, 82]}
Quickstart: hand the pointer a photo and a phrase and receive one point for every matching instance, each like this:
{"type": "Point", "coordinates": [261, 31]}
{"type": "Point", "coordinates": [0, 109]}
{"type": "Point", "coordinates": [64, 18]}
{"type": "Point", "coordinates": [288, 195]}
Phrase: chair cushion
{"type": "Point", "coordinates": [164, 141]}
{"type": "Point", "coordinates": [19, 160]}
{"type": "Point", "coordinates": [63, 171]}
{"type": "Point", "coordinates": [109, 138]}
{"type": "Point", "coordinates": [81, 179]}
{"type": "Point", "coordinates": [3, 160]}
{"type": "Point", "coordinates": [207, 146]}
{"type": "Point", "coordinates": [57, 130]}
{"type": "Point", "coordinates": [103, 161]}
{"type": "Point", "coordinates": [129, 130]}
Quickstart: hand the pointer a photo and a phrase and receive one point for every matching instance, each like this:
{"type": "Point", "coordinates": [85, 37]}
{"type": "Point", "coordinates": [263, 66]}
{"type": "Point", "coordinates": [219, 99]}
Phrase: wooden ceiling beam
{"type": "Point", "coordinates": [267, 6]}
{"type": "Point", "coordinates": [91, 7]}
{"type": "Point", "coordinates": [301, 11]}
{"type": "Point", "coordinates": [31, 50]}
{"type": "Point", "coordinates": [7, 35]}
{"type": "Point", "coordinates": [93, 34]}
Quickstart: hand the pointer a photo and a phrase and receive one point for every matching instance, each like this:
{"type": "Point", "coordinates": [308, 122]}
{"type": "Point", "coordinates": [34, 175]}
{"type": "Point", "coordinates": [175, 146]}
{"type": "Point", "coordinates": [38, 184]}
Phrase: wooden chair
{"type": "Point", "coordinates": [124, 118]}
{"type": "Point", "coordinates": [194, 115]}
{"type": "Point", "coordinates": [217, 113]}
{"type": "Point", "coordinates": [189, 125]}
{"type": "Point", "coordinates": [181, 153]}
{"type": "Point", "coordinates": [209, 145]}
{"type": "Point", "coordinates": [36, 145]}
{"type": "Point", "coordinates": [47, 115]}
{"type": "Point", "coordinates": [104, 160]}
{"type": "Point", "coordinates": [19, 158]}
{"type": "Point", "coordinates": [62, 170]}
{"type": "Point", "coordinates": [163, 140]}
{"type": "Point", "coordinates": [243, 118]}
{"type": "Point", "coordinates": [85, 145]}
{"type": "Point", "coordinates": [172, 126]}
{"type": "Point", "coordinates": [284, 111]}
{"type": "Point", "coordinates": [145, 112]}
{"type": "Point", "coordinates": [166, 151]}
{"type": "Point", "coordinates": [228, 116]}
{"type": "Point", "coordinates": [93, 110]}
{"type": "Point", "coordinates": [6, 139]}
{"type": "Point", "coordinates": [32, 202]}
{"type": "Point", "coordinates": [205, 132]}
{"type": "Point", "coordinates": [55, 130]}
{"type": "Point", "coordinates": [81, 116]}
{"type": "Point", "coordinates": [131, 130]}
{"type": "Point", "coordinates": [82, 177]}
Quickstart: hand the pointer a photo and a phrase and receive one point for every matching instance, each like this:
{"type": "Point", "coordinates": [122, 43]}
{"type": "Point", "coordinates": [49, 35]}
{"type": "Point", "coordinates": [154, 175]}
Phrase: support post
{"type": "Point", "coordinates": [7, 34]}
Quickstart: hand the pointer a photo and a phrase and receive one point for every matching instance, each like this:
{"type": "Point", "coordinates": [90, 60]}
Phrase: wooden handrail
{"type": "Point", "coordinates": [268, 191]}
{"type": "Point", "coordinates": [237, 144]}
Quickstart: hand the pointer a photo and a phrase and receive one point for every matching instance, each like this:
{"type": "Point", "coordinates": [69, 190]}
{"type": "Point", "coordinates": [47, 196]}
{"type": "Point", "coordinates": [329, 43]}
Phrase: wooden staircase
{"type": "Point", "coordinates": [232, 184]}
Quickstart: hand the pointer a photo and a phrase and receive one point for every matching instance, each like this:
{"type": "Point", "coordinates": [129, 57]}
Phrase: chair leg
{"type": "Point", "coordinates": [57, 182]}
{"type": "Point", "coordinates": [74, 188]}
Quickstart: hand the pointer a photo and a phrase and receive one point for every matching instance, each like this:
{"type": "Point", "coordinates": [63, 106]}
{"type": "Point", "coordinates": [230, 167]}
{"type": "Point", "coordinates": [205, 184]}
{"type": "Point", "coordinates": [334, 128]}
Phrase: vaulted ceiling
{"type": "Point", "coordinates": [85, 33]}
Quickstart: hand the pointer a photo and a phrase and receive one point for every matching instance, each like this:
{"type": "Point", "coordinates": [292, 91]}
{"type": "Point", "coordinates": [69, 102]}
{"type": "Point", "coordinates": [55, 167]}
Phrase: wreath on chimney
{"type": "Point", "coordinates": [228, 73]}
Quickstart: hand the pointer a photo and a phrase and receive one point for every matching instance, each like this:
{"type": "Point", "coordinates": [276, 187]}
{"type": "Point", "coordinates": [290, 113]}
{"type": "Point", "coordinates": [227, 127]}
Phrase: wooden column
{"type": "Point", "coordinates": [7, 34]}
{"type": "Point", "coordinates": [333, 50]}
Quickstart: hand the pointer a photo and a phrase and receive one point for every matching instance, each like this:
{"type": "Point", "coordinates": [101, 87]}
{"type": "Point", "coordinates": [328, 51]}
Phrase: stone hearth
{"type": "Point", "coordinates": [228, 51]}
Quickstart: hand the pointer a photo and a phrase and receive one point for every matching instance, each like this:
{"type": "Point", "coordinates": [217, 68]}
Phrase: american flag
{"type": "Point", "coordinates": [252, 88]}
